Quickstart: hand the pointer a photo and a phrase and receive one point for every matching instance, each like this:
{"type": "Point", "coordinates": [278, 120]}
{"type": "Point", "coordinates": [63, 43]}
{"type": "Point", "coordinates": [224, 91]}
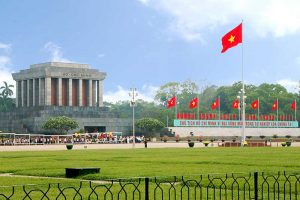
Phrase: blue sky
{"type": "Point", "coordinates": [147, 43]}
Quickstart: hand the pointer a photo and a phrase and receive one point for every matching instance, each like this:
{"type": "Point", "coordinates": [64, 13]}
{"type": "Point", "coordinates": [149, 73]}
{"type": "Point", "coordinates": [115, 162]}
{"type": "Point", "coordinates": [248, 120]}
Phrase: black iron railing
{"type": "Point", "coordinates": [281, 185]}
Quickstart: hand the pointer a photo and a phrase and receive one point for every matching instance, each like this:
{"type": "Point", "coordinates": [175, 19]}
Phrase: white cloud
{"type": "Point", "coordinates": [290, 85]}
{"type": "Point", "coordinates": [55, 52]}
{"type": "Point", "coordinates": [5, 46]}
{"type": "Point", "coordinates": [145, 93]}
{"type": "Point", "coordinates": [5, 72]}
{"type": "Point", "coordinates": [190, 18]}
{"type": "Point", "coordinates": [100, 55]}
{"type": "Point", "coordinates": [144, 1]}
{"type": "Point", "coordinates": [298, 60]}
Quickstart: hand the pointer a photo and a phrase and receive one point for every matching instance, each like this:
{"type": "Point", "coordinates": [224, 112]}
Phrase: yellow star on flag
{"type": "Point", "coordinates": [231, 39]}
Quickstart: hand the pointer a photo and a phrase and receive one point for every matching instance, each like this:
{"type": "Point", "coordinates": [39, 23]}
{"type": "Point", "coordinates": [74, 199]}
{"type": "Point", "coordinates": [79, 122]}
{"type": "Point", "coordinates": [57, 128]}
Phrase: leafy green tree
{"type": "Point", "coordinates": [143, 109]}
{"type": "Point", "coordinates": [149, 125]}
{"type": "Point", "coordinates": [61, 124]}
{"type": "Point", "coordinates": [6, 102]}
{"type": "Point", "coordinates": [267, 94]}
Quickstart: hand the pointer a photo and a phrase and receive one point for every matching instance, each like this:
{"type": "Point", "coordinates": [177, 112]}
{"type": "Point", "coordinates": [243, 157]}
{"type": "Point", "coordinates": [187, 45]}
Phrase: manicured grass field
{"type": "Point", "coordinates": [151, 162]}
{"type": "Point", "coordinates": [162, 163]}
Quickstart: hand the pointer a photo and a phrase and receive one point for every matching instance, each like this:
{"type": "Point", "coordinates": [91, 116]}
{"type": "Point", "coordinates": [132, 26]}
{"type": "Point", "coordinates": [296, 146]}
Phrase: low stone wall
{"type": "Point", "coordinates": [228, 132]}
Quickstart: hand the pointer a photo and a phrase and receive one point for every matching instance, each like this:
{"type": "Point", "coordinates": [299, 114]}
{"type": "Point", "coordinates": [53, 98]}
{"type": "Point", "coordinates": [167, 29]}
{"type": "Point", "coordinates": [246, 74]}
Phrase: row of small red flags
{"type": "Point", "coordinates": [235, 104]}
{"type": "Point", "coordinates": [249, 117]}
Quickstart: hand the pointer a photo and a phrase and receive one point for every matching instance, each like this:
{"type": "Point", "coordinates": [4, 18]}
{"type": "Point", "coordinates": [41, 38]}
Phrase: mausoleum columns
{"type": "Point", "coordinates": [90, 93]}
{"type": "Point", "coordinates": [69, 92]}
{"type": "Point", "coordinates": [79, 95]}
{"type": "Point", "coordinates": [37, 92]}
{"type": "Point", "coordinates": [33, 92]}
{"type": "Point", "coordinates": [23, 93]}
{"type": "Point", "coordinates": [59, 84]}
{"type": "Point", "coordinates": [47, 91]}
{"type": "Point", "coordinates": [99, 93]}
{"type": "Point", "coordinates": [17, 94]}
{"type": "Point", "coordinates": [59, 92]}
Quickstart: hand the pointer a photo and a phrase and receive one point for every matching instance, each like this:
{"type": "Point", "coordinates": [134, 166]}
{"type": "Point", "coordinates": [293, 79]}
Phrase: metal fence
{"type": "Point", "coordinates": [281, 185]}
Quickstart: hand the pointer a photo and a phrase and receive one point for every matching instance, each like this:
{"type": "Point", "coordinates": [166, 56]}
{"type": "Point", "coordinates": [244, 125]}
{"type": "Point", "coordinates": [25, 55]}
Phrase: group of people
{"type": "Point", "coordinates": [86, 138]}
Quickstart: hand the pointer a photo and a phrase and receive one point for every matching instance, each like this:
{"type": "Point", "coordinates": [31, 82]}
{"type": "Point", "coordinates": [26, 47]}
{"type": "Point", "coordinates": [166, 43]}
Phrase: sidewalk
{"type": "Point", "coordinates": [59, 147]}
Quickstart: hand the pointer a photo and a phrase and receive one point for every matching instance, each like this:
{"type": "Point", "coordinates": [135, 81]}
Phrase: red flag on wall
{"type": "Point", "coordinates": [275, 105]}
{"type": "Point", "coordinates": [232, 38]}
{"type": "Point", "coordinates": [194, 103]}
{"type": "Point", "coordinates": [254, 104]}
{"type": "Point", "coordinates": [234, 116]}
{"type": "Point", "coordinates": [215, 104]}
{"type": "Point", "coordinates": [235, 104]}
{"type": "Point", "coordinates": [171, 102]}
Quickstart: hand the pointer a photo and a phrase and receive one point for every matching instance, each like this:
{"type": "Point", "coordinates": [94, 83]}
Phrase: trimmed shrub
{"type": "Point", "coordinates": [191, 144]}
{"type": "Point", "coordinates": [69, 146]}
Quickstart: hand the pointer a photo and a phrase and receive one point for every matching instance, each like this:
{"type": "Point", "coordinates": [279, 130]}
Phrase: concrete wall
{"type": "Point", "coordinates": [225, 132]}
{"type": "Point", "coordinates": [30, 120]}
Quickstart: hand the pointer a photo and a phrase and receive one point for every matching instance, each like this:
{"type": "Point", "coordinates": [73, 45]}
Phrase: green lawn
{"type": "Point", "coordinates": [163, 163]}
{"type": "Point", "coordinates": [151, 162]}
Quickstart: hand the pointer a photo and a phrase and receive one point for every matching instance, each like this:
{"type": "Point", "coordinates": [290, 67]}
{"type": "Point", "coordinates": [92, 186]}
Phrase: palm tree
{"type": "Point", "coordinates": [6, 103]}
{"type": "Point", "coordinates": [6, 91]}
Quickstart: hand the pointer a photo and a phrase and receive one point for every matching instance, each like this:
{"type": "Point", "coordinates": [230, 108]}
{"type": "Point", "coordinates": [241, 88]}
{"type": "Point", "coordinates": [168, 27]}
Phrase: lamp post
{"type": "Point", "coordinates": [133, 94]}
{"type": "Point", "coordinates": [242, 103]}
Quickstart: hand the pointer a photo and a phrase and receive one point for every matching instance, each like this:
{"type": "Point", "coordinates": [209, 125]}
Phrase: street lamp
{"type": "Point", "coordinates": [133, 94]}
{"type": "Point", "coordinates": [242, 98]}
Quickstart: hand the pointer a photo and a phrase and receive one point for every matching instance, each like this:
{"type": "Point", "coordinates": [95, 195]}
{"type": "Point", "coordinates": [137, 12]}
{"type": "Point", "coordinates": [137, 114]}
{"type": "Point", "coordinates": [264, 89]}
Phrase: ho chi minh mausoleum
{"type": "Point", "coordinates": [56, 89]}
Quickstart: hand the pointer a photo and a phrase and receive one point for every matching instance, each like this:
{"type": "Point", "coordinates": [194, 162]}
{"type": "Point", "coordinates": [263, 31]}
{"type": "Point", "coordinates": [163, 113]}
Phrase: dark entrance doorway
{"type": "Point", "coordinates": [94, 129]}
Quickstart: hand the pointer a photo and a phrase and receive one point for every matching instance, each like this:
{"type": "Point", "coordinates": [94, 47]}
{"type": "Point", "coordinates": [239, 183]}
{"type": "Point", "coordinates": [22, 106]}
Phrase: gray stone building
{"type": "Point", "coordinates": [55, 89]}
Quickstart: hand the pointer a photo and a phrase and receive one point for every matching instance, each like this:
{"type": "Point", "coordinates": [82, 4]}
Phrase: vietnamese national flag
{"type": "Point", "coordinates": [235, 104]}
{"type": "Point", "coordinates": [194, 103]}
{"type": "Point", "coordinates": [254, 104]}
{"type": "Point", "coordinates": [293, 106]}
{"type": "Point", "coordinates": [232, 38]}
{"type": "Point", "coordinates": [171, 102]}
{"type": "Point", "coordinates": [275, 105]}
{"type": "Point", "coordinates": [215, 104]}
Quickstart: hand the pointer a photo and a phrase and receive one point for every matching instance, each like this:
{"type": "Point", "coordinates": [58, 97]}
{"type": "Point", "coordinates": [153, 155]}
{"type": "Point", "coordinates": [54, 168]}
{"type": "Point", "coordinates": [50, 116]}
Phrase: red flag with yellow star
{"type": "Point", "coordinates": [171, 102]}
{"type": "Point", "coordinates": [275, 105]}
{"type": "Point", "coordinates": [215, 104]}
{"type": "Point", "coordinates": [293, 106]}
{"type": "Point", "coordinates": [232, 38]}
{"type": "Point", "coordinates": [254, 104]}
{"type": "Point", "coordinates": [235, 104]}
{"type": "Point", "coordinates": [194, 103]}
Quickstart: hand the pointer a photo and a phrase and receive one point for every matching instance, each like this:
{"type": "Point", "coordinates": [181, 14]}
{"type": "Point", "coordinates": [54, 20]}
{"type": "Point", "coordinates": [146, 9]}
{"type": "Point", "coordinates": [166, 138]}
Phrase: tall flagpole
{"type": "Point", "coordinates": [219, 108]}
{"type": "Point", "coordinates": [258, 115]}
{"type": "Point", "coordinates": [198, 106]}
{"type": "Point", "coordinates": [243, 94]}
{"type": "Point", "coordinates": [258, 109]}
{"type": "Point", "coordinates": [277, 105]}
{"type": "Point", "coordinates": [175, 106]}
{"type": "Point", "coordinates": [295, 109]}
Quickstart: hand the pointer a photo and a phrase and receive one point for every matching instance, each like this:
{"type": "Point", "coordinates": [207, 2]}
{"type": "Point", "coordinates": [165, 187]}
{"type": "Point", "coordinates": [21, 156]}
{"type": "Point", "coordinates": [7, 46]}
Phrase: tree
{"type": "Point", "coordinates": [149, 125]}
{"type": "Point", "coordinates": [6, 91]}
{"type": "Point", "coordinates": [6, 103]}
{"type": "Point", "coordinates": [61, 124]}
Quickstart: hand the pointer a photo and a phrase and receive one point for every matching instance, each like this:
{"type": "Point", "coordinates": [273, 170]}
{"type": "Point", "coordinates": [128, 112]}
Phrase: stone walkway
{"type": "Point", "coordinates": [60, 147]}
